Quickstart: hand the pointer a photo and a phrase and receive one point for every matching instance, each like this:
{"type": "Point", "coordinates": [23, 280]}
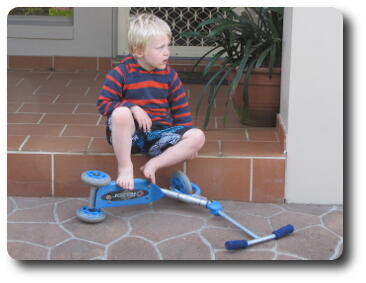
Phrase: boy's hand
{"type": "Point", "coordinates": [142, 118]}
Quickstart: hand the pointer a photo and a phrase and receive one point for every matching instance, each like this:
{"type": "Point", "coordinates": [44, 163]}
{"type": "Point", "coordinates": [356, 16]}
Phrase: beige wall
{"type": "Point", "coordinates": [90, 34]}
{"type": "Point", "coordinates": [312, 104]}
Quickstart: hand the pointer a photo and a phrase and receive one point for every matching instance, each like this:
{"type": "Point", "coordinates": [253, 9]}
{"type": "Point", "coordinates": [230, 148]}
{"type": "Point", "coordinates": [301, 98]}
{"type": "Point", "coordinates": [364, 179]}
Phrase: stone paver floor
{"type": "Point", "coordinates": [47, 228]}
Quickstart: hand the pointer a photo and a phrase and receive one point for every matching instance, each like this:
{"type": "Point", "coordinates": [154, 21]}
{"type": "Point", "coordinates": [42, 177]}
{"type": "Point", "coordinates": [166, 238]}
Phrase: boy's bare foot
{"type": "Point", "coordinates": [149, 172]}
{"type": "Point", "coordinates": [125, 177]}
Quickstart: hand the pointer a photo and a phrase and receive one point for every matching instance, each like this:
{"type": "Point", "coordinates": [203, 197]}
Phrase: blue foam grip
{"type": "Point", "coordinates": [285, 230]}
{"type": "Point", "coordinates": [236, 244]}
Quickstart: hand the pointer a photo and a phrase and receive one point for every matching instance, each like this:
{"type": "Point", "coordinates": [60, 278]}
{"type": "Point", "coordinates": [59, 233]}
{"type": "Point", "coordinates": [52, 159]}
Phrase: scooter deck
{"type": "Point", "coordinates": [112, 195]}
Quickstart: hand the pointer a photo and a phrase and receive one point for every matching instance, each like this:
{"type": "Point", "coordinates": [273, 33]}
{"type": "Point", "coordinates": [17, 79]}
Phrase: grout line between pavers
{"type": "Point", "coordinates": [89, 143]}
{"type": "Point", "coordinates": [76, 108]}
{"type": "Point", "coordinates": [99, 119]}
{"type": "Point", "coordinates": [49, 76]}
{"type": "Point", "coordinates": [207, 243]}
{"type": "Point", "coordinates": [24, 142]}
{"type": "Point", "coordinates": [220, 146]}
{"type": "Point", "coordinates": [68, 83]}
{"type": "Point", "coordinates": [63, 130]}
{"type": "Point", "coordinates": [29, 243]}
{"type": "Point", "coordinates": [112, 154]}
{"type": "Point", "coordinates": [19, 82]}
{"type": "Point", "coordinates": [337, 250]}
{"type": "Point", "coordinates": [87, 91]}
{"type": "Point", "coordinates": [35, 91]}
{"type": "Point", "coordinates": [40, 119]}
{"type": "Point", "coordinates": [56, 98]}
{"type": "Point", "coordinates": [251, 181]}
{"type": "Point", "coordinates": [20, 107]}
{"type": "Point", "coordinates": [52, 175]}
{"type": "Point", "coordinates": [96, 76]}
{"type": "Point", "coordinates": [246, 134]}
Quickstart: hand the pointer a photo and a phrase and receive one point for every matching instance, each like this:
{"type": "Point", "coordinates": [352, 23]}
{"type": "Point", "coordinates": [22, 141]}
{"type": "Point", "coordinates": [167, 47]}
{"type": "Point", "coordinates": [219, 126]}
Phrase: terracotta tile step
{"type": "Point", "coordinates": [91, 139]}
{"type": "Point", "coordinates": [255, 179]}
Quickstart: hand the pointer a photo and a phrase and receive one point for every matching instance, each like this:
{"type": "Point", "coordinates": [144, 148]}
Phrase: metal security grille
{"type": "Point", "coordinates": [183, 19]}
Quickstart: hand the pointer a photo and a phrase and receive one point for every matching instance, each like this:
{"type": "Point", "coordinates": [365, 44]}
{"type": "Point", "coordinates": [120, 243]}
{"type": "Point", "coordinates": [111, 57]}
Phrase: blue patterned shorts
{"type": "Point", "coordinates": [154, 142]}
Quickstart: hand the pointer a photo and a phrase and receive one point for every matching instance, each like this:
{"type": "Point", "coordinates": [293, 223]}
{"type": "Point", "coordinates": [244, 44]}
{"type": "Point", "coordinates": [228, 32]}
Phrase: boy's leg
{"type": "Point", "coordinates": [123, 127]}
{"type": "Point", "coordinates": [187, 148]}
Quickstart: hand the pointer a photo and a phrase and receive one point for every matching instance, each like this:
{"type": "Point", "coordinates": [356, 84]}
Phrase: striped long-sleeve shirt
{"type": "Point", "coordinates": [159, 92]}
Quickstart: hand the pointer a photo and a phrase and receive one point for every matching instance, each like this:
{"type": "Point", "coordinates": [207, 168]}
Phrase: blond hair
{"type": "Point", "coordinates": [144, 27]}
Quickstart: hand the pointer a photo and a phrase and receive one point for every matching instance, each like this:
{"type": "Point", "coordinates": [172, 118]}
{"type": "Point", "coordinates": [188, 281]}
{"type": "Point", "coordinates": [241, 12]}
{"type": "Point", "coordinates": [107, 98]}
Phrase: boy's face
{"type": "Point", "coordinates": [156, 53]}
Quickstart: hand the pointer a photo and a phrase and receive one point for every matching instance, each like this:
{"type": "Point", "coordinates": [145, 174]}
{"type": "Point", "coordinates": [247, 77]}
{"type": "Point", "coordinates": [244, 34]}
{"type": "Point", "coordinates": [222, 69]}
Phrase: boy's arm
{"type": "Point", "coordinates": [178, 101]}
{"type": "Point", "coordinates": [111, 95]}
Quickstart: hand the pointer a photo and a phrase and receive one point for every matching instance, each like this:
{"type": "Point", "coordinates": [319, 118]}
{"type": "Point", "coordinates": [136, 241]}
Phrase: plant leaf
{"type": "Point", "coordinates": [272, 57]}
{"type": "Point", "coordinates": [239, 72]}
{"type": "Point", "coordinates": [262, 57]}
{"type": "Point", "coordinates": [245, 111]}
{"type": "Point", "coordinates": [202, 57]}
{"type": "Point", "coordinates": [210, 21]}
{"type": "Point", "coordinates": [212, 61]}
{"type": "Point", "coordinates": [203, 91]}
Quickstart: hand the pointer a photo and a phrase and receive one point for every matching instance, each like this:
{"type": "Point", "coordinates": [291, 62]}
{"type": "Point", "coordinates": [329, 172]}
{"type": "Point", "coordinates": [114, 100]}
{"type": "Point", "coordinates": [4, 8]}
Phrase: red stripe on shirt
{"type": "Point", "coordinates": [165, 123]}
{"type": "Point", "coordinates": [179, 96]}
{"type": "Point", "coordinates": [144, 84]}
{"type": "Point", "coordinates": [183, 124]}
{"type": "Point", "coordinates": [111, 90]}
{"type": "Point", "coordinates": [179, 106]}
{"type": "Point", "coordinates": [118, 70]}
{"type": "Point", "coordinates": [181, 115]}
{"type": "Point", "coordinates": [107, 107]}
{"type": "Point", "coordinates": [142, 102]}
{"type": "Point", "coordinates": [176, 88]}
{"type": "Point", "coordinates": [113, 80]}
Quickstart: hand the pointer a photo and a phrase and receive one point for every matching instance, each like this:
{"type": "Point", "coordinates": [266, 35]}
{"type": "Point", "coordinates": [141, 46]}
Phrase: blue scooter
{"type": "Point", "coordinates": [106, 193]}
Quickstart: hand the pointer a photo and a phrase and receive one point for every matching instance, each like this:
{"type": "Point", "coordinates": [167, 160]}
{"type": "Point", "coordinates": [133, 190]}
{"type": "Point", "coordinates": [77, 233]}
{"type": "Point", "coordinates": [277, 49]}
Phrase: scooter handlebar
{"type": "Point", "coordinates": [283, 231]}
{"type": "Point", "coordinates": [236, 244]}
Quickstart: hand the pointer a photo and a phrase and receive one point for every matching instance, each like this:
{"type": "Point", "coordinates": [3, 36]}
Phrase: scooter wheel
{"type": "Point", "coordinates": [95, 178]}
{"type": "Point", "coordinates": [90, 215]}
{"type": "Point", "coordinates": [180, 182]}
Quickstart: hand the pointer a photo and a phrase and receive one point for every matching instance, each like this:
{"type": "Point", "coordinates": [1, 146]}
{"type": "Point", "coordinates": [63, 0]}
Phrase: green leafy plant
{"type": "Point", "coordinates": [243, 42]}
{"type": "Point", "coordinates": [42, 11]}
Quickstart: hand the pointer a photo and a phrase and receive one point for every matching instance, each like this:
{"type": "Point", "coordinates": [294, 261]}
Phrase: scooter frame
{"type": "Point", "coordinates": [106, 193]}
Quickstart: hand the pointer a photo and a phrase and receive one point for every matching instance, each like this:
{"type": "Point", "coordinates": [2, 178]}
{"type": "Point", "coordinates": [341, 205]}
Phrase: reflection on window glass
{"type": "Point", "coordinates": [42, 11]}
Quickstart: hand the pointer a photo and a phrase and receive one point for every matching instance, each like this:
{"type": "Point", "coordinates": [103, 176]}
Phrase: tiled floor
{"type": "Point", "coordinates": [53, 124]}
{"type": "Point", "coordinates": [56, 112]}
{"type": "Point", "coordinates": [47, 229]}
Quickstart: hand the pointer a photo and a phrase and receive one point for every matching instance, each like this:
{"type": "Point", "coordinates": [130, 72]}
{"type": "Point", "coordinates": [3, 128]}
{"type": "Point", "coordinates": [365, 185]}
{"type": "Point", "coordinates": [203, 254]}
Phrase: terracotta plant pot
{"type": "Point", "coordinates": [264, 98]}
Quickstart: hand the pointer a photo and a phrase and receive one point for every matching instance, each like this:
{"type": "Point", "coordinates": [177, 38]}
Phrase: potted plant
{"type": "Point", "coordinates": [244, 44]}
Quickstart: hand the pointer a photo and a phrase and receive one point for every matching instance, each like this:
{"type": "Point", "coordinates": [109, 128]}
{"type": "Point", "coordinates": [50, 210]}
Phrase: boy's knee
{"type": "Point", "coordinates": [198, 136]}
{"type": "Point", "coordinates": [122, 115]}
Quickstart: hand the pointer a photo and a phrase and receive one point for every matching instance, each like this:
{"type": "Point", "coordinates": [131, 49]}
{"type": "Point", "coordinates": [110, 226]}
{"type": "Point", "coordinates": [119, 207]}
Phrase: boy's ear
{"type": "Point", "coordinates": [138, 52]}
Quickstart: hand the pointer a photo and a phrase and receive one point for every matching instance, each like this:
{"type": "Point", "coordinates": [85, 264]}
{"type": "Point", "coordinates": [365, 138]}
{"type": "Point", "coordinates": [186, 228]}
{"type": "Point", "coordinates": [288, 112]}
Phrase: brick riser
{"type": "Point", "coordinates": [256, 179]}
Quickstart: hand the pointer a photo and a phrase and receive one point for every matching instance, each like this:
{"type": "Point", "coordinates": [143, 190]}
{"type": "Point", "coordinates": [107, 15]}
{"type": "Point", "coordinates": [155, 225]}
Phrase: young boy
{"type": "Point", "coordinates": [146, 104]}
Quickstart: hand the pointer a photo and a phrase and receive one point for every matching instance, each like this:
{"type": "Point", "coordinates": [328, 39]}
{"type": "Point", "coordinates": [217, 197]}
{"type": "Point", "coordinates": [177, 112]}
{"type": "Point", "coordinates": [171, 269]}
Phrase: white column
{"type": "Point", "coordinates": [312, 104]}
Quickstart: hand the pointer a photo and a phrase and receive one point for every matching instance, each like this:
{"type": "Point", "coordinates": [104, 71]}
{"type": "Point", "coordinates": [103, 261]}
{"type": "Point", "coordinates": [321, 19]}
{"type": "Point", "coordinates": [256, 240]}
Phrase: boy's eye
{"type": "Point", "coordinates": [162, 46]}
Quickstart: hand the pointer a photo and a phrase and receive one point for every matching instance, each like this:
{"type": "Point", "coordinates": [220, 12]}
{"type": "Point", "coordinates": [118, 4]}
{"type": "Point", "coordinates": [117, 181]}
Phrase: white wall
{"type": "Point", "coordinates": [312, 104]}
{"type": "Point", "coordinates": [92, 35]}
